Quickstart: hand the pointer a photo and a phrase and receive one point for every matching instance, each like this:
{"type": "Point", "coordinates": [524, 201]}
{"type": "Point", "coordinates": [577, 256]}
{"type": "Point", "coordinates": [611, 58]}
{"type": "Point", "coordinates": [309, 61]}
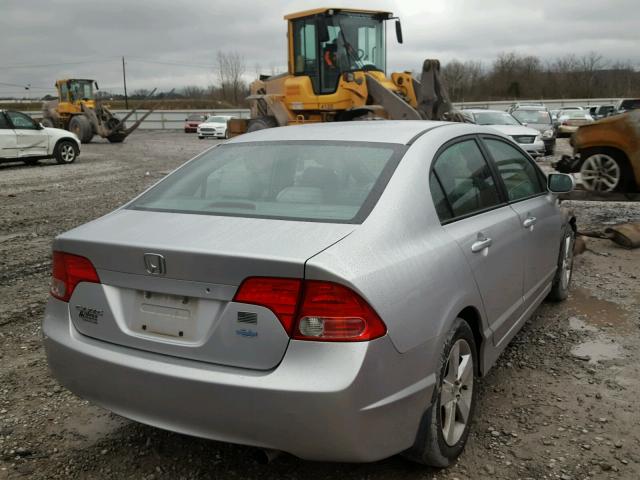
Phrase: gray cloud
{"type": "Point", "coordinates": [86, 38]}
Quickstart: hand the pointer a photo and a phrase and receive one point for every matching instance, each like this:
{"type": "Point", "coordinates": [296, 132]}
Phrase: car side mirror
{"type": "Point", "coordinates": [525, 124]}
{"type": "Point", "coordinates": [39, 126]}
{"type": "Point", "coordinates": [560, 183]}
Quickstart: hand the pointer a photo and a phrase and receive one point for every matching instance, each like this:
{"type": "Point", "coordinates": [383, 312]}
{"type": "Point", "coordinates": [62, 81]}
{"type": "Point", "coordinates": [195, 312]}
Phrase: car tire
{"type": "Point", "coordinates": [599, 165]}
{"type": "Point", "coordinates": [550, 150]}
{"type": "Point", "coordinates": [444, 430]}
{"type": "Point", "coordinates": [65, 152]}
{"type": "Point", "coordinates": [261, 123]}
{"type": "Point", "coordinates": [200, 137]}
{"type": "Point", "coordinates": [79, 124]}
{"type": "Point", "coordinates": [564, 272]}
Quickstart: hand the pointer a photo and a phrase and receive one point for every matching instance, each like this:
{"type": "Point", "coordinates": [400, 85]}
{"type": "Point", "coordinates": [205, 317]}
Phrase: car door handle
{"type": "Point", "coordinates": [480, 245]}
{"type": "Point", "coordinates": [529, 222]}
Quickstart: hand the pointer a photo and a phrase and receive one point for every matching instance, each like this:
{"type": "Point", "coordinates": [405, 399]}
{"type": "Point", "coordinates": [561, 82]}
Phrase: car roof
{"type": "Point", "coordinates": [537, 108]}
{"type": "Point", "coordinates": [380, 131]}
{"type": "Point", "coordinates": [483, 110]}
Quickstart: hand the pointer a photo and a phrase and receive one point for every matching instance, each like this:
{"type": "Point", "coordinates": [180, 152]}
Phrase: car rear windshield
{"type": "Point", "coordinates": [310, 181]}
{"type": "Point", "coordinates": [532, 116]}
{"type": "Point", "coordinates": [579, 114]}
{"type": "Point", "coordinates": [195, 117]}
{"type": "Point", "coordinates": [495, 118]}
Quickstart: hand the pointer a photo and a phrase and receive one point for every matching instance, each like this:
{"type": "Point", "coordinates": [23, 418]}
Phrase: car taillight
{"type": "Point", "coordinates": [314, 310]}
{"type": "Point", "coordinates": [280, 295]}
{"type": "Point", "coordinates": [68, 271]}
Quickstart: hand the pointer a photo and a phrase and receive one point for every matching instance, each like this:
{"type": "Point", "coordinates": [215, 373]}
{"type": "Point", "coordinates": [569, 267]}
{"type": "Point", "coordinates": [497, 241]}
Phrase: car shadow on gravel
{"type": "Point", "coordinates": [151, 453]}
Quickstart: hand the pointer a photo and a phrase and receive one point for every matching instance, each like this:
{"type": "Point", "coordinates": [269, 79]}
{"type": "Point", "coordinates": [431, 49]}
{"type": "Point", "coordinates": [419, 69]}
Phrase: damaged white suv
{"type": "Point", "coordinates": [24, 139]}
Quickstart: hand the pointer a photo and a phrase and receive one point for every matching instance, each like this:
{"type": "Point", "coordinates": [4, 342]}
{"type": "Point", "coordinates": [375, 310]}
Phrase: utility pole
{"type": "Point", "coordinates": [124, 79]}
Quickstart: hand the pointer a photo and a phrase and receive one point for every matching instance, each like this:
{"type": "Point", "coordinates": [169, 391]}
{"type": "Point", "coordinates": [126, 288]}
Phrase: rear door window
{"type": "Point", "coordinates": [313, 181]}
{"type": "Point", "coordinates": [4, 124]}
{"type": "Point", "coordinates": [521, 178]}
{"type": "Point", "coordinates": [465, 179]}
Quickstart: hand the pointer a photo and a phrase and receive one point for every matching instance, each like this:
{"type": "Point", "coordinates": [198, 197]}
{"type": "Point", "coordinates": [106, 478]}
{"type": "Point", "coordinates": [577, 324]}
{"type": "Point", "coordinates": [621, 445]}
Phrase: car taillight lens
{"type": "Point", "coordinates": [68, 270]}
{"type": "Point", "coordinates": [314, 310]}
{"type": "Point", "coordinates": [280, 295]}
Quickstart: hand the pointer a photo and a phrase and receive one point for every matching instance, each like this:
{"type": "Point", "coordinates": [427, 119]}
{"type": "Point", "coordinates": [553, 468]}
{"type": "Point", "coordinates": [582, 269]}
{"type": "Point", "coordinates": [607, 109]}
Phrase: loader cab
{"type": "Point", "coordinates": [76, 90]}
{"type": "Point", "coordinates": [326, 43]}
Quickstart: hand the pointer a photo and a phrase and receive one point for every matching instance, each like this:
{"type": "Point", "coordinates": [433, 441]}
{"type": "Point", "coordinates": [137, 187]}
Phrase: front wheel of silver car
{"type": "Point", "coordinates": [445, 425]}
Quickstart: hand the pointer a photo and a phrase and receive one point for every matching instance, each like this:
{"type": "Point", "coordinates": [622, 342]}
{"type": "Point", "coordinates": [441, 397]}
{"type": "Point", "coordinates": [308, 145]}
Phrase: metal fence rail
{"type": "Point", "coordinates": [174, 119]}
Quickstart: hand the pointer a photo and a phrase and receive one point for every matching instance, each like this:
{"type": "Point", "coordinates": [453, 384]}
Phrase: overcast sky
{"type": "Point", "coordinates": [42, 40]}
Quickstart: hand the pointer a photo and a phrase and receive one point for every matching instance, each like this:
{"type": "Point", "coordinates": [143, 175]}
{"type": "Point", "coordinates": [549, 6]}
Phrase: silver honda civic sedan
{"type": "Point", "coordinates": [332, 291]}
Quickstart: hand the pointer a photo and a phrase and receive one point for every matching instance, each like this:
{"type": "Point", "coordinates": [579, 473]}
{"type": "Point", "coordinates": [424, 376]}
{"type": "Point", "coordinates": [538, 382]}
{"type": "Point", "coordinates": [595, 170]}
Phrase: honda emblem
{"type": "Point", "coordinates": [155, 264]}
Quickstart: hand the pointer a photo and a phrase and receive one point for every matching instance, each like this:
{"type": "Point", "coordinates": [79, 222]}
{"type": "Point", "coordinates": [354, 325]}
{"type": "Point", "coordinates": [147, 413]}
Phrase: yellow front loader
{"type": "Point", "coordinates": [78, 111]}
{"type": "Point", "coordinates": [337, 67]}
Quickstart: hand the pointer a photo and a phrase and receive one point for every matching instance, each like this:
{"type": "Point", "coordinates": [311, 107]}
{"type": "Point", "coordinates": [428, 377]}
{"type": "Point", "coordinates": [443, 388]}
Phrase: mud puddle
{"type": "Point", "coordinates": [598, 350]}
{"type": "Point", "coordinates": [598, 312]}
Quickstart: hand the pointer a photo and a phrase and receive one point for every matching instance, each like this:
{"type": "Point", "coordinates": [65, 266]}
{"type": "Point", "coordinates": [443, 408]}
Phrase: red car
{"type": "Point", "coordinates": [192, 121]}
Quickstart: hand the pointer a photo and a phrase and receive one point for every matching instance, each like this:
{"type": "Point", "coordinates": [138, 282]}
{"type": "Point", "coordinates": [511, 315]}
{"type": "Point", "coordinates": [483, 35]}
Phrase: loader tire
{"type": "Point", "coordinates": [80, 125]}
{"type": "Point", "coordinates": [116, 137]}
{"type": "Point", "coordinates": [47, 122]}
{"type": "Point", "coordinates": [261, 123]}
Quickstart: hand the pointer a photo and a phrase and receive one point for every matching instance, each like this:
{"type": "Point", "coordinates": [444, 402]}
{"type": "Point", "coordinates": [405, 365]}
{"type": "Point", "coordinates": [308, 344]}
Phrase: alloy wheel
{"type": "Point", "coordinates": [600, 172]}
{"type": "Point", "coordinates": [567, 262]}
{"type": "Point", "coordinates": [456, 393]}
{"type": "Point", "coordinates": [67, 153]}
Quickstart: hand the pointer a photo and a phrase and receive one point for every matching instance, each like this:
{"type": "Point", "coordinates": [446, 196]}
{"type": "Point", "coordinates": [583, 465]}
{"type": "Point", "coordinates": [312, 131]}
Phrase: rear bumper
{"type": "Point", "coordinates": [535, 149]}
{"type": "Point", "coordinates": [568, 128]}
{"type": "Point", "coordinates": [356, 402]}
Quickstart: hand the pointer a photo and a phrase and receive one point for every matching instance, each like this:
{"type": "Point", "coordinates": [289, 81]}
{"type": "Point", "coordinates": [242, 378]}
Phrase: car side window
{"type": "Point", "coordinates": [439, 200]}
{"type": "Point", "coordinates": [3, 122]}
{"type": "Point", "coordinates": [21, 121]}
{"type": "Point", "coordinates": [518, 173]}
{"type": "Point", "coordinates": [466, 180]}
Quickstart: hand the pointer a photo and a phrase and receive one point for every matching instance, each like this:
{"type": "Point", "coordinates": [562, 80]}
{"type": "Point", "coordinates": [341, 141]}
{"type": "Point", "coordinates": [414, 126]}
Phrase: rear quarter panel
{"type": "Point", "coordinates": [402, 261]}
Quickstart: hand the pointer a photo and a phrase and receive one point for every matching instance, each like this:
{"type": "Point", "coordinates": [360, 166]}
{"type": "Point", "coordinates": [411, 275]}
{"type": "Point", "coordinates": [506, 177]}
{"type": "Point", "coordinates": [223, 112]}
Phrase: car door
{"type": "Point", "coordinates": [475, 214]}
{"type": "Point", "coordinates": [32, 139]}
{"type": "Point", "coordinates": [540, 219]}
{"type": "Point", "coordinates": [8, 143]}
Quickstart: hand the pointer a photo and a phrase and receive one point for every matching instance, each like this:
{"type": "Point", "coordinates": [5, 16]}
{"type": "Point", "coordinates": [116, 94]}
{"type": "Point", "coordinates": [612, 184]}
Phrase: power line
{"type": "Point", "coordinates": [33, 65]}
{"type": "Point", "coordinates": [176, 64]}
{"type": "Point", "coordinates": [26, 86]}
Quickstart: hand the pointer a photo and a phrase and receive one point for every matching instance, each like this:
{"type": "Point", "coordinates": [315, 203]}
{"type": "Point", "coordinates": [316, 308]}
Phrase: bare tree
{"type": "Point", "coordinates": [231, 68]}
{"type": "Point", "coordinates": [193, 91]}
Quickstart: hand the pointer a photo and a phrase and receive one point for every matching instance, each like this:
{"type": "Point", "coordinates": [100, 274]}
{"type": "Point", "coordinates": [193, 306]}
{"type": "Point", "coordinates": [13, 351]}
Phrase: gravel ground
{"type": "Point", "coordinates": [562, 402]}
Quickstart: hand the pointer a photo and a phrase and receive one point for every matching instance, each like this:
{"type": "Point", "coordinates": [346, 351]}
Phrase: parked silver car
{"type": "Point", "coordinates": [328, 290]}
{"type": "Point", "coordinates": [529, 139]}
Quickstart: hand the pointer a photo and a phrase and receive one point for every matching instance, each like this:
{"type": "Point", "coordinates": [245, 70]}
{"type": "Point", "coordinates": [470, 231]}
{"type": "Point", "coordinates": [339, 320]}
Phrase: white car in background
{"type": "Point", "coordinates": [24, 139]}
{"type": "Point", "coordinates": [214, 127]}
{"type": "Point", "coordinates": [529, 139]}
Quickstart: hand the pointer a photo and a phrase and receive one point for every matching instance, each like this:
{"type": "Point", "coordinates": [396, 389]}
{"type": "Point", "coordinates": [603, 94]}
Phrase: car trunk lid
{"type": "Point", "coordinates": [168, 281]}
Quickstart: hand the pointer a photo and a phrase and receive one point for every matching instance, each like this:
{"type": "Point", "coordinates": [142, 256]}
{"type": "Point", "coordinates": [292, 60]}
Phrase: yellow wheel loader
{"type": "Point", "coordinates": [78, 111]}
{"type": "Point", "coordinates": [337, 72]}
